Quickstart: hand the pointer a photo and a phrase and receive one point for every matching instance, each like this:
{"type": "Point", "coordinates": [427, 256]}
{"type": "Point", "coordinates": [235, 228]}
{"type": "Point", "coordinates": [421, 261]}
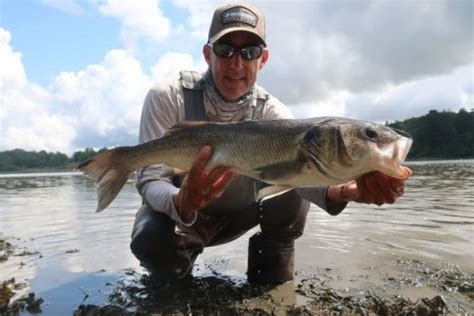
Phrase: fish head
{"type": "Point", "coordinates": [345, 149]}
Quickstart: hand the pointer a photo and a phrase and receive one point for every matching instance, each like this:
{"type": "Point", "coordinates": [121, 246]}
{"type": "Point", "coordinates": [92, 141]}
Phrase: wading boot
{"type": "Point", "coordinates": [270, 261]}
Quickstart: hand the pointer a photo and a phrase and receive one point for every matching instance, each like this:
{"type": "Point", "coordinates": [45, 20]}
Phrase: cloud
{"type": "Point", "coordinates": [321, 48]}
{"type": "Point", "coordinates": [13, 72]}
{"type": "Point", "coordinates": [142, 18]}
{"type": "Point", "coordinates": [24, 121]}
{"type": "Point", "coordinates": [94, 107]}
{"type": "Point", "coordinates": [171, 63]}
{"type": "Point", "coordinates": [106, 99]}
{"type": "Point", "coordinates": [415, 98]}
{"type": "Point", "coordinates": [374, 60]}
{"type": "Point", "coordinates": [199, 18]}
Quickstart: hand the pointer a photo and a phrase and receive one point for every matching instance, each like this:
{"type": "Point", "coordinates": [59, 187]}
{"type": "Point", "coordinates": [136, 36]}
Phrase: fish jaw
{"type": "Point", "coordinates": [392, 157]}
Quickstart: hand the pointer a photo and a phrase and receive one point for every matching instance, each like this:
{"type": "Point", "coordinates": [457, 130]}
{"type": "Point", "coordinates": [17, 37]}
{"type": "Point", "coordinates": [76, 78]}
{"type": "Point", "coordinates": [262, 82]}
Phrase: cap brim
{"type": "Point", "coordinates": [216, 37]}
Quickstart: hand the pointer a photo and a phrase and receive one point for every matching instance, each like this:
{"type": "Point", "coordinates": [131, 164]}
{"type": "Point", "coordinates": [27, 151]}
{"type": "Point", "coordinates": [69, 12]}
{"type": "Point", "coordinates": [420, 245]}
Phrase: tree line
{"type": "Point", "coordinates": [19, 159]}
{"type": "Point", "coordinates": [440, 135]}
{"type": "Point", "coordinates": [435, 135]}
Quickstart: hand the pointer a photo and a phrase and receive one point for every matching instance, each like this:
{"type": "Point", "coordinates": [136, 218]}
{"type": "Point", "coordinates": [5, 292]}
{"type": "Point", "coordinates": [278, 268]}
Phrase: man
{"type": "Point", "coordinates": [180, 217]}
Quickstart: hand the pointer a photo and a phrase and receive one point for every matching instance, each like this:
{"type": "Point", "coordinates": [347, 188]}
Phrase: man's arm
{"type": "Point", "coordinates": [161, 110]}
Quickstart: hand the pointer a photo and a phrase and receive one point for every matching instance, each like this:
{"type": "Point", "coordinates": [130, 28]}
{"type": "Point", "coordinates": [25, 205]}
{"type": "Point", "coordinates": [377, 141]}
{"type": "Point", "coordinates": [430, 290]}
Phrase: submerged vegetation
{"type": "Point", "coordinates": [436, 135]}
{"type": "Point", "coordinates": [137, 294]}
{"type": "Point", "coordinates": [11, 303]}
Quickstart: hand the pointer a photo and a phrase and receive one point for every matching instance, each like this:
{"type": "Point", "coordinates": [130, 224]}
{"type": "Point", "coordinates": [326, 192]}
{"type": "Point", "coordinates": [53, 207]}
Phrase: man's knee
{"type": "Point", "coordinates": [284, 217]}
{"type": "Point", "coordinates": [152, 233]}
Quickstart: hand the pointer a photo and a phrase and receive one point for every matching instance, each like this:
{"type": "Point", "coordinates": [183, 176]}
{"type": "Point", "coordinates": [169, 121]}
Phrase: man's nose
{"type": "Point", "coordinates": [236, 60]}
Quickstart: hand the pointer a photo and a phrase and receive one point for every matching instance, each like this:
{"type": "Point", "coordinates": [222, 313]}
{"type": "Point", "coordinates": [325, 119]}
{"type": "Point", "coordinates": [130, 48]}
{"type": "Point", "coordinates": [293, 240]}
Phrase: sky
{"type": "Point", "coordinates": [74, 74]}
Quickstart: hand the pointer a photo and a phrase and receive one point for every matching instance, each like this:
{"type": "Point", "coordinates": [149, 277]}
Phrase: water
{"type": "Point", "coordinates": [77, 251]}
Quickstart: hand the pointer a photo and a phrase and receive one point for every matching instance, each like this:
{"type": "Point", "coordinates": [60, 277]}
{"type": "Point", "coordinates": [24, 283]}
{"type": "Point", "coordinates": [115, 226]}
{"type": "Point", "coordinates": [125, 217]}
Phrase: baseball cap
{"type": "Point", "coordinates": [234, 17]}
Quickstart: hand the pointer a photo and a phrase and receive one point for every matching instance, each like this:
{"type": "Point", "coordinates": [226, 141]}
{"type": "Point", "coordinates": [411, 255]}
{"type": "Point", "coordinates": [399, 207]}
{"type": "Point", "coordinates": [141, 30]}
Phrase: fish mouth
{"type": "Point", "coordinates": [394, 155]}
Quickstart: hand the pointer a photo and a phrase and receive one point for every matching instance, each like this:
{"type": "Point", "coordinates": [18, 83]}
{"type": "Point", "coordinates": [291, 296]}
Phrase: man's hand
{"type": "Point", "coordinates": [201, 188]}
{"type": "Point", "coordinates": [372, 188]}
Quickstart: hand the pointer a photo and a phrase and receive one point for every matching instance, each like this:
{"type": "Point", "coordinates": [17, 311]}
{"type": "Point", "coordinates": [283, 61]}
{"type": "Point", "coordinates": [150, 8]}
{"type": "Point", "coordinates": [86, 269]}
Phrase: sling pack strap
{"type": "Point", "coordinates": [193, 92]}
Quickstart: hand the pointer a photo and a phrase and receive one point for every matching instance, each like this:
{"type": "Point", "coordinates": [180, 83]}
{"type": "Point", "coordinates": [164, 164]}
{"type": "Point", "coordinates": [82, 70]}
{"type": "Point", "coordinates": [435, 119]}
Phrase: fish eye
{"type": "Point", "coordinates": [371, 133]}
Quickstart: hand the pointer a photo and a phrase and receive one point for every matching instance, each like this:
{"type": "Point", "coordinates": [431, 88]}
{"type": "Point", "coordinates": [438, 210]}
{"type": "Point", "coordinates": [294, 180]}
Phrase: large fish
{"type": "Point", "coordinates": [284, 153]}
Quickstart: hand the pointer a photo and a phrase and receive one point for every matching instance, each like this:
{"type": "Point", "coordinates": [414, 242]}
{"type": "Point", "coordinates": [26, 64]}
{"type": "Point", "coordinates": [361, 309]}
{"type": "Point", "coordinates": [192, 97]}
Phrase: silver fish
{"type": "Point", "coordinates": [284, 153]}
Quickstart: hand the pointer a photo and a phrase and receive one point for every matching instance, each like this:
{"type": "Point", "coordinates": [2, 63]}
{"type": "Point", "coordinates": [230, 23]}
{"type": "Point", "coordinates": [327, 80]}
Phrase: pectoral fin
{"type": "Point", "coordinates": [280, 170]}
{"type": "Point", "coordinates": [272, 191]}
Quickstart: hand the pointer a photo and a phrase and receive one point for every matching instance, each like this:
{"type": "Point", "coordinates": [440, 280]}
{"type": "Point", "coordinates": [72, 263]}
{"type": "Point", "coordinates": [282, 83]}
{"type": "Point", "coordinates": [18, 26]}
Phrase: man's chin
{"type": "Point", "coordinates": [234, 95]}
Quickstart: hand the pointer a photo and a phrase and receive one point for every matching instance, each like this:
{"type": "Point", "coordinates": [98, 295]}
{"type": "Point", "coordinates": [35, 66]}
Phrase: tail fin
{"type": "Point", "coordinates": [109, 174]}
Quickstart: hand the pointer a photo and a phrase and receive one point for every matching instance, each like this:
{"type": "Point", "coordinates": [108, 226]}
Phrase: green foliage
{"type": "Point", "coordinates": [19, 159]}
{"type": "Point", "coordinates": [440, 134]}
{"type": "Point", "coordinates": [80, 156]}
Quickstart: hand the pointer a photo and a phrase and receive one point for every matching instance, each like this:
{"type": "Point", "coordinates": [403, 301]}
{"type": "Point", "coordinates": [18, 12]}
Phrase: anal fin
{"type": "Point", "coordinates": [271, 191]}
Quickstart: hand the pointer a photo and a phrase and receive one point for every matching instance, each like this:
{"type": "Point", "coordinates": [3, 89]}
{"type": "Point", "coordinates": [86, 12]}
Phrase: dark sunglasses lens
{"type": "Point", "coordinates": [251, 52]}
{"type": "Point", "coordinates": [223, 50]}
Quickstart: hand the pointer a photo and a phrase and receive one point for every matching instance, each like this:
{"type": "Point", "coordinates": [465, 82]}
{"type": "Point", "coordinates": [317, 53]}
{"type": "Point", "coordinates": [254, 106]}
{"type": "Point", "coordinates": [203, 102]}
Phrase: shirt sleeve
{"type": "Point", "coordinates": [317, 195]}
{"type": "Point", "coordinates": [162, 109]}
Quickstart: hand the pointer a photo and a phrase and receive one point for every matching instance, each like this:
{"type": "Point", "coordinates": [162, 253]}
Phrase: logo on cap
{"type": "Point", "coordinates": [239, 14]}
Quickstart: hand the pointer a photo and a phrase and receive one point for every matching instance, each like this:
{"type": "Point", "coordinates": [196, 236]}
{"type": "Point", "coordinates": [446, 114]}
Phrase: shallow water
{"type": "Point", "coordinates": [77, 251]}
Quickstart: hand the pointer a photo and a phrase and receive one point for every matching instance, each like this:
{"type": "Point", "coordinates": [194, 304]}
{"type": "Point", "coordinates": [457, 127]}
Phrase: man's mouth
{"type": "Point", "coordinates": [235, 77]}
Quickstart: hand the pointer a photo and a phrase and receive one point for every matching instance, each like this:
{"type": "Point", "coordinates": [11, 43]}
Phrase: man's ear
{"type": "Point", "coordinates": [264, 58]}
{"type": "Point", "coordinates": [206, 51]}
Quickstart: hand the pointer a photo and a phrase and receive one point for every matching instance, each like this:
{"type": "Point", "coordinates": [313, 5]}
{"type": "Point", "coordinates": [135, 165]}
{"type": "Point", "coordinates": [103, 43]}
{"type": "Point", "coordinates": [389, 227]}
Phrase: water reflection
{"type": "Point", "coordinates": [54, 215]}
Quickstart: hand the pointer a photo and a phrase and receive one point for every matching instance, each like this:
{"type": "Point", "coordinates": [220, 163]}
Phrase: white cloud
{"type": "Point", "coordinates": [322, 48]}
{"type": "Point", "coordinates": [25, 121]}
{"type": "Point", "coordinates": [171, 63]}
{"type": "Point", "coordinates": [199, 19]}
{"type": "Point", "coordinates": [142, 18]}
{"type": "Point", "coordinates": [106, 99]}
{"type": "Point", "coordinates": [94, 107]}
{"type": "Point", "coordinates": [368, 60]}
{"type": "Point", "coordinates": [12, 71]}
{"type": "Point", "coordinates": [415, 98]}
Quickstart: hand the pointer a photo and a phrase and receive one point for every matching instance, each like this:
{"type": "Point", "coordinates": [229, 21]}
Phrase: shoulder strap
{"type": "Point", "coordinates": [193, 93]}
{"type": "Point", "coordinates": [191, 79]}
{"type": "Point", "coordinates": [262, 98]}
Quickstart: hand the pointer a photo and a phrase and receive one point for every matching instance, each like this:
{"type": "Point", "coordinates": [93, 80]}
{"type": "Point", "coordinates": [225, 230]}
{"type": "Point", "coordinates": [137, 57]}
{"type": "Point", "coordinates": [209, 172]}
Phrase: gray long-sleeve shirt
{"type": "Point", "coordinates": [163, 108]}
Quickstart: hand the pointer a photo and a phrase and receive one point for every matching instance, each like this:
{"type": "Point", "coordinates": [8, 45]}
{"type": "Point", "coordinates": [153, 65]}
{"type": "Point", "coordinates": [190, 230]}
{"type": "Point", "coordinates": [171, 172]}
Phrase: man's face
{"type": "Point", "coordinates": [234, 76]}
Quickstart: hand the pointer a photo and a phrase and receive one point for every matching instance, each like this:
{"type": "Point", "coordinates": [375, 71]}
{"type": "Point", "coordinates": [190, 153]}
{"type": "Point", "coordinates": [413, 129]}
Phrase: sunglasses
{"type": "Point", "coordinates": [227, 51]}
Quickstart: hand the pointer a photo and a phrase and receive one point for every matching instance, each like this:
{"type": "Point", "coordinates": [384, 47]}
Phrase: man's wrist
{"type": "Point", "coordinates": [338, 193]}
{"type": "Point", "coordinates": [186, 216]}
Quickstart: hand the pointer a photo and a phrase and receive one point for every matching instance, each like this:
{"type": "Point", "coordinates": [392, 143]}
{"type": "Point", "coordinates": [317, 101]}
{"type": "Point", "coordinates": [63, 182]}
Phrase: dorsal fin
{"type": "Point", "coordinates": [186, 124]}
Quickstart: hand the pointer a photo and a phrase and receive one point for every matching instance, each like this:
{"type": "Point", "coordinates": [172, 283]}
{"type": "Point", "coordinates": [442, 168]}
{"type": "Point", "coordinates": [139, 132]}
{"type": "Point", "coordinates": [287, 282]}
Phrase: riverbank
{"type": "Point", "coordinates": [412, 287]}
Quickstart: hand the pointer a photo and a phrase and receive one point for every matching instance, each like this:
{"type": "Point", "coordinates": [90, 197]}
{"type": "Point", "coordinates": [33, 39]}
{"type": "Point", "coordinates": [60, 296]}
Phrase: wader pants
{"type": "Point", "coordinates": [169, 252]}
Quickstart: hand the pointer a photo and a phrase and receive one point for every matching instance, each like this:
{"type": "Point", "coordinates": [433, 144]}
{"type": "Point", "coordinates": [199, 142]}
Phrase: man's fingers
{"type": "Point", "coordinates": [364, 191]}
{"type": "Point", "coordinates": [378, 188]}
{"type": "Point", "coordinates": [215, 174]}
{"type": "Point", "coordinates": [198, 167]}
{"type": "Point", "coordinates": [223, 182]}
{"type": "Point", "coordinates": [371, 191]}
